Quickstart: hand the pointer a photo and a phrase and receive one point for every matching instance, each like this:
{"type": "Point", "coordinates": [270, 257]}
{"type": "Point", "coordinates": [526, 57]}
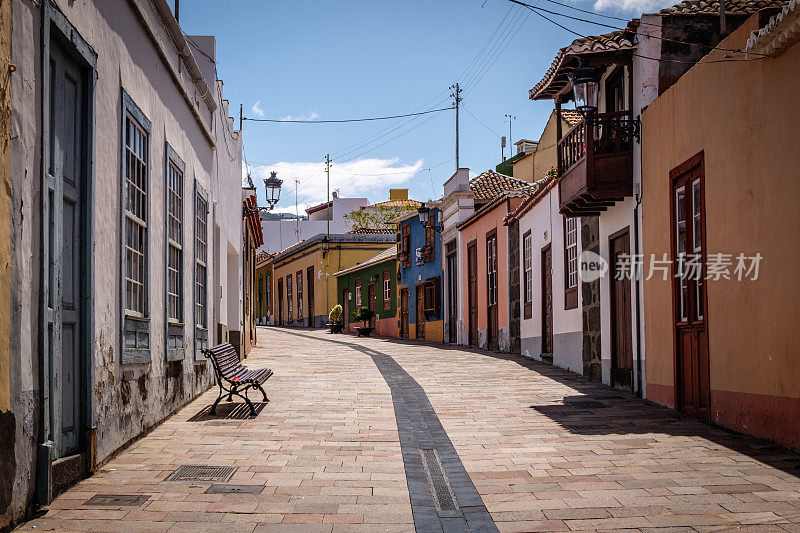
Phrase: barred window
{"type": "Point", "coordinates": [289, 297]}
{"type": "Point", "coordinates": [175, 243]}
{"type": "Point", "coordinates": [201, 247]}
{"type": "Point", "coordinates": [136, 177]}
{"type": "Point", "coordinates": [571, 251]}
{"type": "Point", "coordinates": [300, 295]}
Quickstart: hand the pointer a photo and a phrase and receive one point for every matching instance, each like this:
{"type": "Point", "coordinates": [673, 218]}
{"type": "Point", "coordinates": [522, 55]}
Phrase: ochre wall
{"type": "Point", "coordinates": [532, 166]}
{"type": "Point", "coordinates": [743, 116]}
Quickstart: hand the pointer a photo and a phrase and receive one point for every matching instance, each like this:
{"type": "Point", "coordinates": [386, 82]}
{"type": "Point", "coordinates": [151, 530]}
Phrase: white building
{"type": "Point", "coordinates": [126, 231]}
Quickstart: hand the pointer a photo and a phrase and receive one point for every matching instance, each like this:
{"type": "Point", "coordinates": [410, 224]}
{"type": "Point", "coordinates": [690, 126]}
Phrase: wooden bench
{"type": "Point", "coordinates": [233, 377]}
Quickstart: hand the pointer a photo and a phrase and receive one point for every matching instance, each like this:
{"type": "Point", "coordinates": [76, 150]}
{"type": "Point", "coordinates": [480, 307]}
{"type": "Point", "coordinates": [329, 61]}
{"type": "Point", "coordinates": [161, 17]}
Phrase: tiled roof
{"type": "Point", "coordinates": [341, 238]}
{"type": "Point", "coordinates": [490, 184]}
{"type": "Point", "coordinates": [556, 76]}
{"type": "Point", "coordinates": [572, 116]}
{"type": "Point", "coordinates": [780, 32]}
{"type": "Point", "coordinates": [396, 203]}
{"type": "Point", "coordinates": [542, 188]}
{"type": "Point", "coordinates": [372, 231]}
{"type": "Point", "coordinates": [694, 7]}
{"type": "Point", "coordinates": [386, 255]}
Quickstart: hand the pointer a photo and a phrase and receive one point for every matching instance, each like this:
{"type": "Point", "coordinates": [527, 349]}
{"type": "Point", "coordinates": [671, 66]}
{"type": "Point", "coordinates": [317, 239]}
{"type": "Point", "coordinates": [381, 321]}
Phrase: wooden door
{"type": "Point", "coordinates": [310, 290]}
{"type": "Point", "coordinates": [65, 256]}
{"type": "Point", "coordinates": [688, 247]}
{"type": "Point", "coordinates": [280, 302]}
{"type": "Point", "coordinates": [621, 327]}
{"type": "Point", "coordinates": [346, 306]}
{"type": "Point", "coordinates": [404, 312]}
{"type": "Point", "coordinates": [492, 325]}
{"type": "Point", "coordinates": [420, 311]}
{"type": "Point", "coordinates": [547, 301]}
{"type": "Point", "coordinates": [452, 297]}
{"type": "Point", "coordinates": [371, 302]}
{"type": "Point", "coordinates": [472, 295]}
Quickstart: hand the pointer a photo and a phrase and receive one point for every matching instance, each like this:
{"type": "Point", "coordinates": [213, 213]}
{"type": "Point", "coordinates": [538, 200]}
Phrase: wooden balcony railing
{"type": "Point", "coordinates": [595, 163]}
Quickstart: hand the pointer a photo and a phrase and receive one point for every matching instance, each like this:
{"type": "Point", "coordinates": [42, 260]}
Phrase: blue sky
{"type": "Point", "coordinates": [350, 59]}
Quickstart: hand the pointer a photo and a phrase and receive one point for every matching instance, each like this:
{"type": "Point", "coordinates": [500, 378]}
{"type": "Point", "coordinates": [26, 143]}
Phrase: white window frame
{"type": "Point", "coordinates": [571, 252]}
{"type": "Point", "coordinates": [527, 266]}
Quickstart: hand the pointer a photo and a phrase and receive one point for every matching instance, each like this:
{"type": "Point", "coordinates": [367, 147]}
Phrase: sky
{"type": "Point", "coordinates": [346, 59]}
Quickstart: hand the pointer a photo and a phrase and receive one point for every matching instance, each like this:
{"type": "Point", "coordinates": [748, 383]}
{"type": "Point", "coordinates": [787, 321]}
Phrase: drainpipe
{"type": "Point", "coordinates": [637, 280]}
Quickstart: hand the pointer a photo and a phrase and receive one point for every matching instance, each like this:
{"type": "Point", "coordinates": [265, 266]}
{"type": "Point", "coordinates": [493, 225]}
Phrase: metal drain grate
{"type": "Point", "coordinates": [234, 489]}
{"type": "Point", "coordinates": [440, 486]}
{"type": "Point", "coordinates": [116, 500]}
{"type": "Point", "coordinates": [202, 473]}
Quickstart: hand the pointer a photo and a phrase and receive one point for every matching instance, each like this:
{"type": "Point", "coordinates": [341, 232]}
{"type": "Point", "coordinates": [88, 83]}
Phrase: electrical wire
{"type": "Point", "coordinates": [368, 119]}
{"type": "Point", "coordinates": [479, 120]}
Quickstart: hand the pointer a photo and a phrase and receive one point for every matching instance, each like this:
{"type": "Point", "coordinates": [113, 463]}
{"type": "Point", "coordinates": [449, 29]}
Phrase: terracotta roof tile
{"type": "Point", "coordinates": [571, 116]}
{"type": "Point", "coordinates": [373, 231]}
{"type": "Point", "coordinates": [396, 203]}
{"type": "Point", "coordinates": [694, 7]}
{"type": "Point", "coordinates": [556, 76]}
{"type": "Point", "coordinates": [490, 184]}
{"type": "Point", "coordinates": [386, 255]}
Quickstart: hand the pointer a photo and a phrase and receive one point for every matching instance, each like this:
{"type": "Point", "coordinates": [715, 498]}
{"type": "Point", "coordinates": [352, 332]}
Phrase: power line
{"type": "Point", "coordinates": [484, 124]}
{"type": "Point", "coordinates": [346, 120]}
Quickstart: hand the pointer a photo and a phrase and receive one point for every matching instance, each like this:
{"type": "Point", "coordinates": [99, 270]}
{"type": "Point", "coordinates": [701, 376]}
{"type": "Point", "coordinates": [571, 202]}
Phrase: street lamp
{"type": "Point", "coordinates": [273, 187]}
{"type": "Point", "coordinates": [423, 212]}
{"type": "Point", "coordinates": [584, 81]}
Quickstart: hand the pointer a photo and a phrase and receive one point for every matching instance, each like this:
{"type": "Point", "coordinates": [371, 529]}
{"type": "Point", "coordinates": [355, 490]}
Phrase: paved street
{"type": "Point", "coordinates": [357, 431]}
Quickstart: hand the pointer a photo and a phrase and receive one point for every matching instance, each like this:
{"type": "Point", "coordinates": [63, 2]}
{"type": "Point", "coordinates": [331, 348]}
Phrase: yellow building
{"type": "Point", "coordinates": [304, 286]}
{"type": "Point", "coordinates": [533, 166]}
{"type": "Point", "coordinates": [265, 289]}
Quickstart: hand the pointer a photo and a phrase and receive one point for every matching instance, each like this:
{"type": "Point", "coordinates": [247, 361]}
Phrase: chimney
{"type": "Point", "coordinates": [398, 194]}
{"type": "Point", "coordinates": [458, 182]}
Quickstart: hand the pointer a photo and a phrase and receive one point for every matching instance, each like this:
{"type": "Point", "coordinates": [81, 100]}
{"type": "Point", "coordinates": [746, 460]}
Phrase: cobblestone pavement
{"type": "Point", "coordinates": [338, 449]}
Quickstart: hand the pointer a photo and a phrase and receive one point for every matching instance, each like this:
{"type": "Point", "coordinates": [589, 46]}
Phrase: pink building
{"type": "Point", "coordinates": [484, 246]}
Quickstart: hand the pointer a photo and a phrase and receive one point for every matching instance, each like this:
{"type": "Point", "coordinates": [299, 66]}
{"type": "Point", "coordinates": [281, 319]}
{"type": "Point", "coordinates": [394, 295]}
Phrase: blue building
{"type": "Point", "coordinates": [419, 261]}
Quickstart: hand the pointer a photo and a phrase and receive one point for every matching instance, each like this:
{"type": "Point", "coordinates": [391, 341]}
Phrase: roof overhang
{"type": "Point", "coordinates": [594, 51]}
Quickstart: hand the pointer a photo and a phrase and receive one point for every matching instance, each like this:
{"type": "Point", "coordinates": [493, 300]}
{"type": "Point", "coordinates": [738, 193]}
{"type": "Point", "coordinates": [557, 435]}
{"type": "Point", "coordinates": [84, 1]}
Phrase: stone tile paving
{"type": "Point", "coordinates": [545, 449]}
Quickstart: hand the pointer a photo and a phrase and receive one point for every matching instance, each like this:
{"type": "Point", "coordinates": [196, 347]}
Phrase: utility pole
{"type": "Point", "coordinates": [329, 210]}
{"type": "Point", "coordinates": [723, 27]}
{"type": "Point", "coordinates": [510, 144]}
{"type": "Point", "coordinates": [457, 95]}
{"type": "Point", "coordinates": [178, 11]}
{"type": "Point", "coordinates": [240, 117]}
{"type": "Point", "coordinates": [296, 211]}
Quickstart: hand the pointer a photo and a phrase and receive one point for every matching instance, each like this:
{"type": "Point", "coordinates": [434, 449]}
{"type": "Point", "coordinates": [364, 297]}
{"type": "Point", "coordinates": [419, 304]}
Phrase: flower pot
{"type": "Point", "coordinates": [336, 328]}
{"type": "Point", "coordinates": [364, 332]}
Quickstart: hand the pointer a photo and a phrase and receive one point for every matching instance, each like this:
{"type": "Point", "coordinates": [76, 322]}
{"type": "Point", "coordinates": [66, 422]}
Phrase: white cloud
{"type": "Point", "coordinates": [256, 109]}
{"type": "Point", "coordinates": [370, 178]}
{"type": "Point", "coordinates": [632, 6]}
{"type": "Point", "coordinates": [310, 115]}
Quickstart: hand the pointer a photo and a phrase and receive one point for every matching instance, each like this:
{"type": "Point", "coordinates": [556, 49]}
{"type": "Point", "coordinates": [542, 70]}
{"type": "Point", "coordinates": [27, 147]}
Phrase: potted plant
{"type": "Point", "coordinates": [335, 317]}
{"type": "Point", "coordinates": [364, 314]}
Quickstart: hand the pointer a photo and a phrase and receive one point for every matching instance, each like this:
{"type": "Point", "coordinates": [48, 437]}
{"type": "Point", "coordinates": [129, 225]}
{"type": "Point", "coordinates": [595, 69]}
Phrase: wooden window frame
{"type": "Point", "coordinates": [289, 299]}
{"type": "Point", "coordinates": [357, 297]}
{"type": "Point", "coordinates": [387, 290]}
{"type": "Point", "coordinates": [299, 291]}
{"type": "Point", "coordinates": [201, 272]}
{"type": "Point", "coordinates": [174, 197]}
{"type": "Point", "coordinates": [570, 291]}
{"type": "Point", "coordinates": [405, 242]}
{"type": "Point", "coordinates": [527, 274]}
{"type": "Point", "coordinates": [491, 268]}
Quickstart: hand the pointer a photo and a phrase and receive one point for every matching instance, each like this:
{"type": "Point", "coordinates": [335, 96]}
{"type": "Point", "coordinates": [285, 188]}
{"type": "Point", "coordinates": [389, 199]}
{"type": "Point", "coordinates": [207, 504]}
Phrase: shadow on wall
{"type": "Point", "coordinates": [598, 409]}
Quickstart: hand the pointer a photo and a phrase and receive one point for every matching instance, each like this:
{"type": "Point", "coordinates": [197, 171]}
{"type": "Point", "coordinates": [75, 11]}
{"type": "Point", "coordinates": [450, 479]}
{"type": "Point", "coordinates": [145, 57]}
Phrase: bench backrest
{"type": "Point", "coordinates": [225, 359]}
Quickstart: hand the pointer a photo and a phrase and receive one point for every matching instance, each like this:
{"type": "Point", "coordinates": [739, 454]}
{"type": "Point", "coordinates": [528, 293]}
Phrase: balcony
{"type": "Point", "coordinates": [598, 173]}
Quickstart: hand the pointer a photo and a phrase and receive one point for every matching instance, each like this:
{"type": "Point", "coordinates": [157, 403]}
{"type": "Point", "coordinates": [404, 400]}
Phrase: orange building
{"type": "Point", "coordinates": [721, 159]}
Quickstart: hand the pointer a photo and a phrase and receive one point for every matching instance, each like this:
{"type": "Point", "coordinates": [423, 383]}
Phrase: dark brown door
{"type": "Point", "coordinates": [621, 328]}
{"type": "Point", "coordinates": [280, 302]}
{"type": "Point", "coordinates": [472, 270]}
{"type": "Point", "coordinates": [547, 301]}
{"type": "Point", "coordinates": [452, 297]}
{"type": "Point", "coordinates": [371, 302]}
{"type": "Point", "coordinates": [310, 291]}
{"type": "Point", "coordinates": [688, 229]}
{"type": "Point", "coordinates": [420, 312]}
{"type": "Point", "coordinates": [346, 306]}
{"type": "Point", "coordinates": [404, 312]}
{"type": "Point", "coordinates": [492, 326]}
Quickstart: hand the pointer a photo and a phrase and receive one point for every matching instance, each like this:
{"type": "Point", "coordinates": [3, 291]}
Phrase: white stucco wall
{"type": "Point", "coordinates": [546, 225]}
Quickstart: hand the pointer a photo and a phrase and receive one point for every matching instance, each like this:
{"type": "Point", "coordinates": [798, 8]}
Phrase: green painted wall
{"type": "Point", "coordinates": [367, 273]}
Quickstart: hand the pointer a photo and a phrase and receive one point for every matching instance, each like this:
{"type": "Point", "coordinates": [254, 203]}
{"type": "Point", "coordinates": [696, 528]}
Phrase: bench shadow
{"type": "Point", "coordinates": [598, 409]}
{"type": "Point", "coordinates": [228, 411]}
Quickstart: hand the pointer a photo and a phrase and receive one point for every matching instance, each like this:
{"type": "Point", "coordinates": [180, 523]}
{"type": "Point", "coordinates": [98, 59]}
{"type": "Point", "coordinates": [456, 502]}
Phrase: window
{"type": "Point", "coordinates": [201, 258]}
{"type": "Point", "coordinates": [268, 291]}
{"type": "Point", "coordinates": [571, 252]}
{"type": "Point", "coordinates": [175, 242]}
{"type": "Point", "coordinates": [430, 233]}
{"type": "Point", "coordinates": [527, 273]}
{"type": "Point", "coordinates": [289, 298]}
{"type": "Point", "coordinates": [136, 214]}
{"type": "Point", "coordinates": [134, 233]}
{"type": "Point", "coordinates": [300, 295]}
{"type": "Point", "coordinates": [491, 267]}
{"type": "Point", "coordinates": [405, 245]}
{"type": "Point", "coordinates": [431, 296]}
{"type": "Point", "coordinates": [387, 290]}
{"type": "Point", "coordinates": [358, 293]}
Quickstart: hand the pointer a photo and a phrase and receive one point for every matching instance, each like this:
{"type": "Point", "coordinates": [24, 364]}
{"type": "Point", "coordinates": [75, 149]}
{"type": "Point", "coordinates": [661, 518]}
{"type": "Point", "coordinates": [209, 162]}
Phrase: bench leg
{"type": "Point", "coordinates": [213, 410]}
{"type": "Point", "coordinates": [259, 387]}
